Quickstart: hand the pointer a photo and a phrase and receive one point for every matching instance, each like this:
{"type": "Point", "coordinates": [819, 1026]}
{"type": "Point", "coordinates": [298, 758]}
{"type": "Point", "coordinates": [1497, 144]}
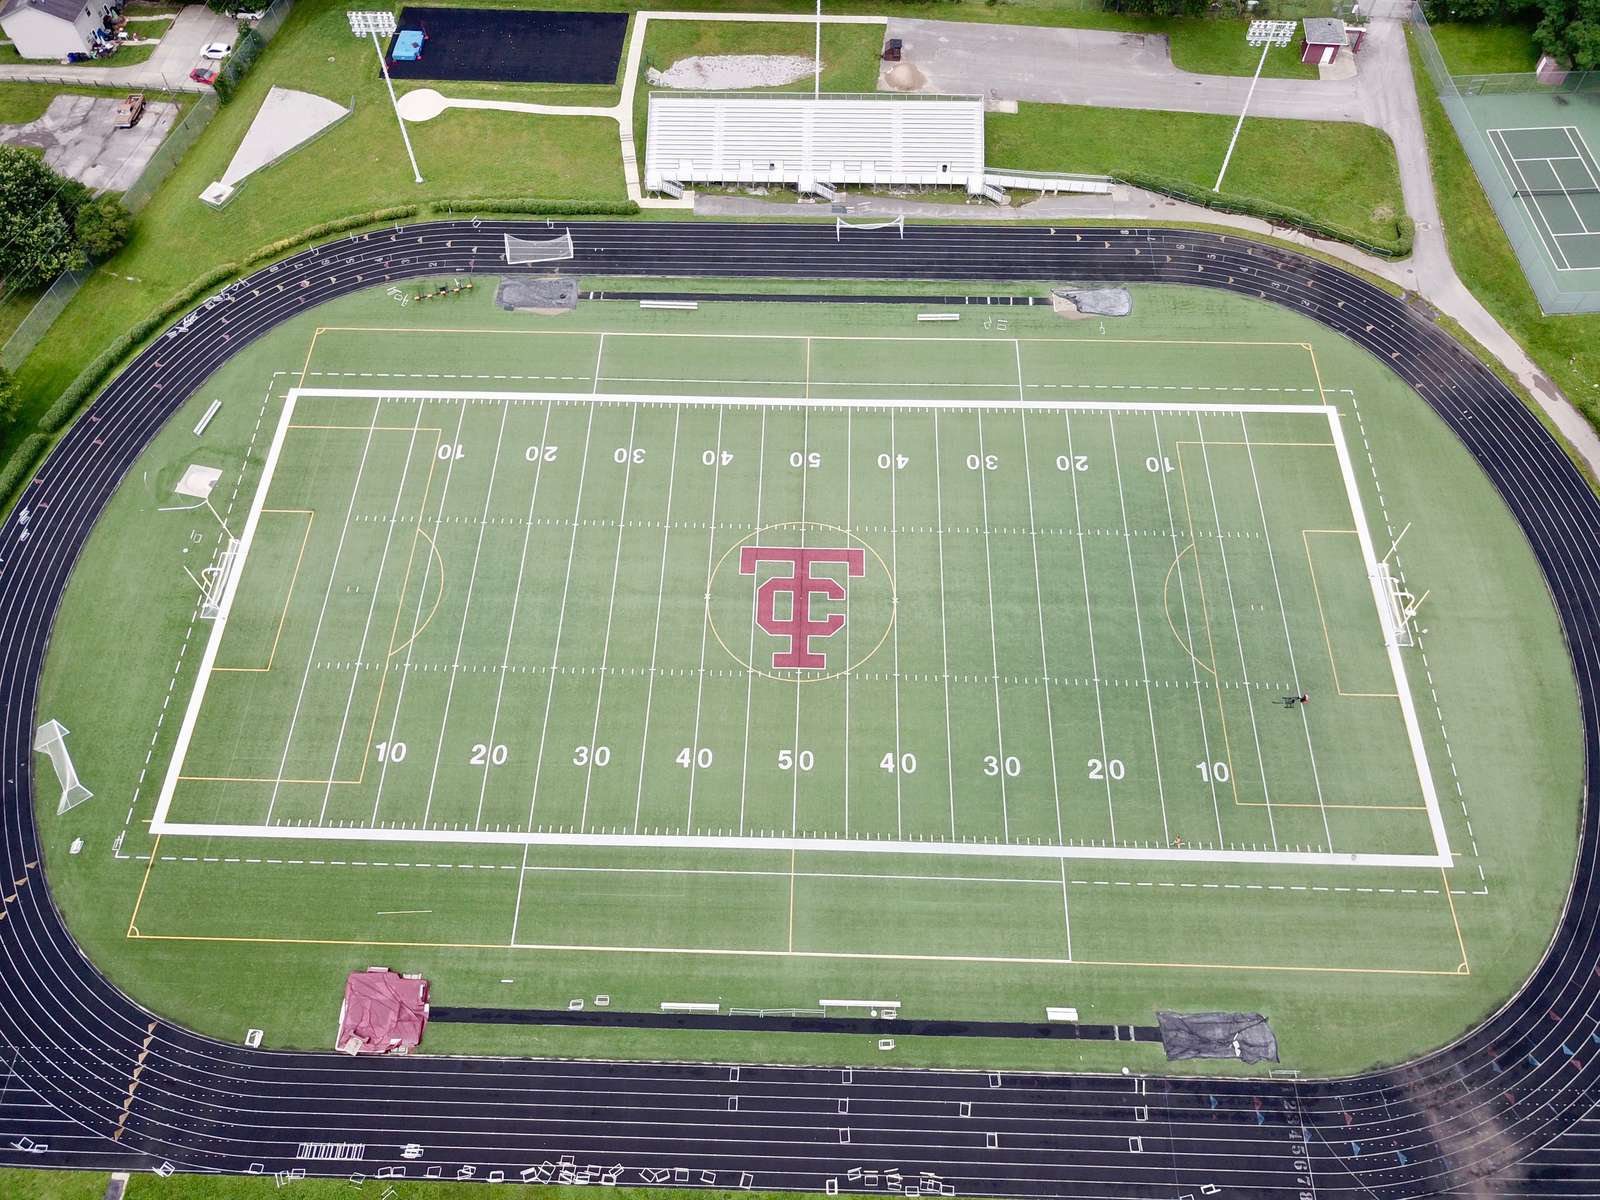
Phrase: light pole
{"type": "Point", "coordinates": [1265, 34]}
{"type": "Point", "coordinates": [816, 91]}
{"type": "Point", "coordinates": [374, 23]}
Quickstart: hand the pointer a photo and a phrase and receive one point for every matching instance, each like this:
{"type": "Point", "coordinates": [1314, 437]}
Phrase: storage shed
{"type": "Point", "coordinates": [1322, 38]}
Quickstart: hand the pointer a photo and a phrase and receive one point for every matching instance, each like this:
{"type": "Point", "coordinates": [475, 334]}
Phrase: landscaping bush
{"type": "Point", "coordinates": [540, 208]}
{"type": "Point", "coordinates": [10, 397]}
{"type": "Point", "coordinates": [102, 226]}
{"type": "Point", "coordinates": [37, 210]}
{"type": "Point", "coordinates": [20, 465]}
{"type": "Point", "coordinates": [244, 56]}
{"type": "Point", "coordinates": [1397, 246]}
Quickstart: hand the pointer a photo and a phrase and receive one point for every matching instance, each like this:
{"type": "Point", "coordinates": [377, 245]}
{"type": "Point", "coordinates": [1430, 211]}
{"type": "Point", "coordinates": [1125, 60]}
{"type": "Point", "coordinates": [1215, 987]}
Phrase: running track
{"type": "Point", "coordinates": [1504, 1112]}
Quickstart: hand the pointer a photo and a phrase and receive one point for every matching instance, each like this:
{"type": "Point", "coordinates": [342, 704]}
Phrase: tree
{"type": "Point", "coordinates": [10, 397]}
{"type": "Point", "coordinates": [1570, 31]}
{"type": "Point", "coordinates": [37, 208]}
{"type": "Point", "coordinates": [102, 226]}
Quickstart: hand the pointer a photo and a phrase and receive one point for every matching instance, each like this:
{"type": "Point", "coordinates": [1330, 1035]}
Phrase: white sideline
{"type": "Point", "coordinates": [1441, 858]}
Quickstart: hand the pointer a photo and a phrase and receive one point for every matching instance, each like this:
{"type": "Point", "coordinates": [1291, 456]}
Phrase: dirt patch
{"type": "Point", "coordinates": [905, 77]}
{"type": "Point", "coordinates": [1095, 302]}
{"type": "Point", "coordinates": [730, 72]}
{"type": "Point", "coordinates": [544, 296]}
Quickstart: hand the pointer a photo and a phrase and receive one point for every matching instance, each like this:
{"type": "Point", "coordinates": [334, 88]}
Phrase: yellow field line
{"type": "Point", "coordinates": [1465, 968]}
{"type": "Point", "coordinates": [288, 595]}
{"type": "Point", "coordinates": [788, 337]}
{"type": "Point", "coordinates": [1327, 639]}
{"type": "Point", "coordinates": [1166, 608]}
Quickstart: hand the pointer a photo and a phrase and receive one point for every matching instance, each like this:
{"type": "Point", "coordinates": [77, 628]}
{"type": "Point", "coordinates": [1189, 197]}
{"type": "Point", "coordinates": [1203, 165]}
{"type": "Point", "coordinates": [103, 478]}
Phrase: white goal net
{"type": "Point", "coordinates": [1396, 610]}
{"type": "Point", "coordinates": [51, 740]}
{"type": "Point", "coordinates": [532, 250]}
{"type": "Point", "coordinates": [214, 581]}
{"type": "Point", "coordinates": [840, 225]}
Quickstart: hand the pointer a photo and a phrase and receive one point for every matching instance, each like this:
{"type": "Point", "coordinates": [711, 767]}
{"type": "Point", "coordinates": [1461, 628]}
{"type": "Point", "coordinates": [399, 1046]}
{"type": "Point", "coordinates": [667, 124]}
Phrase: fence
{"type": "Point", "coordinates": [1458, 94]}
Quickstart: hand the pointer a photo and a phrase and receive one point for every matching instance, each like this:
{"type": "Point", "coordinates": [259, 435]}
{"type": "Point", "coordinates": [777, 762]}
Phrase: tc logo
{"type": "Point", "coordinates": [799, 627]}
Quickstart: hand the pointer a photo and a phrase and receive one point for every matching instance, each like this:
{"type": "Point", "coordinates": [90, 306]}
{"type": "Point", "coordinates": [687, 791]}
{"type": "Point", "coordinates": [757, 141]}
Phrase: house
{"type": "Point", "coordinates": [55, 28]}
{"type": "Point", "coordinates": [1323, 38]}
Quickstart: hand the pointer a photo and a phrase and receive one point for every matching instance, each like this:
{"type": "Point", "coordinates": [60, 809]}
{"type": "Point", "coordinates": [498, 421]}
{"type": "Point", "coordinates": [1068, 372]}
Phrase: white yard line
{"type": "Point", "coordinates": [944, 632]}
{"type": "Point", "coordinates": [1188, 631]}
{"type": "Point", "coordinates": [994, 647]}
{"type": "Point", "coordinates": [516, 607]}
{"type": "Point", "coordinates": [1138, 624]}
{"type": "Point", "coordinates": [894, 617]}
{"type": "Point", "coordinates": [750, 657]}
{"type": "Point", "coordinates": [611, 609]}
{"type": "Point", "coordinates": [705, 629]}
{"type": "Point", "coordinates": [1283, 614]}
{"type": "Point", "coordinates": [799, 683]}
{"type": "Point", "coordinates": [655, 639]}
{"type": "Point", "coordinates": [849, 496]}
{"type": "Point", "coordinates": [1238, 633]}
{"type": "Point", "coordinates": [322, 612]}
{"type": "Point", "coordinates": [366, 627]}
{"type": "Point", "coordinates": [1088, 619]}
{"type": "Point", "coordinates": [466, 612]}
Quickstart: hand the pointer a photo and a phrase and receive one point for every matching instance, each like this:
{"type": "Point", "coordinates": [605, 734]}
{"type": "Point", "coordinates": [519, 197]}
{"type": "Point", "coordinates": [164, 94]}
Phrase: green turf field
{"type": "Point", "coordinates": [771, 653]}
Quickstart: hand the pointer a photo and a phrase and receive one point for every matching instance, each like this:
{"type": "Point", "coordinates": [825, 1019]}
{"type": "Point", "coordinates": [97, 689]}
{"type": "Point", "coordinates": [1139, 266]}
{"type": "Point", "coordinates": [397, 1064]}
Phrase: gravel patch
{"type": "Point", "coordinates": [731, 72]}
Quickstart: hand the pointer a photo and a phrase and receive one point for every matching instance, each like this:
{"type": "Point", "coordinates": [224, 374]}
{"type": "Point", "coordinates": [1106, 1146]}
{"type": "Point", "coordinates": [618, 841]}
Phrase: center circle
{"type": "Point", "coordinates": [824, 556]}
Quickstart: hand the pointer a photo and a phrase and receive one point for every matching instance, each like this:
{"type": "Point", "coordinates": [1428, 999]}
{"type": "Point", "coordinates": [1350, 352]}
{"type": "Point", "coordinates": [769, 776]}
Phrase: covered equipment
{"type": "Point", "coordinates": [383, 1013]}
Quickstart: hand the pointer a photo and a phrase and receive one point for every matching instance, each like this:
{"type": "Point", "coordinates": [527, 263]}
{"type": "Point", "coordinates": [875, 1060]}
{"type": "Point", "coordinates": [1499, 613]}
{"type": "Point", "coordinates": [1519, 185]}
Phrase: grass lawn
{"type": "Point", "coordinates": [128, 56]}
{"type": "Point", "coordinates": [1566, 347]}
{"type": "Point", "coordinates": [1338, 170]}
{"type": "Point", "coordinates": [1471, 48]}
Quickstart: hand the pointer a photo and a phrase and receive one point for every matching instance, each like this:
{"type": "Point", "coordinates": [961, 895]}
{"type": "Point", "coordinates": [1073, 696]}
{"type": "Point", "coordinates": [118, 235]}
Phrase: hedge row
{"type": "Point", "coordinates": [1181, 189]}
{"type": "Point", "coordinates": [541, 208]}
{"type": "Point", "coordinates": [244, 56]}
{"type": "Point", "coordinates": [20, 466]}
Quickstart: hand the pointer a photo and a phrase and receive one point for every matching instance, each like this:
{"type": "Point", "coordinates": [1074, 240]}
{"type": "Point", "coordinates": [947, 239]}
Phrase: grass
{"type": "Point", "coordinates": [209, 985]}
{"type": "Point", "coordinates": [1471, 48]}
{"type": "Point", "coordinates": [1338, 170]}
{"type": "Point", "coordinates": [88, 1185]}
{"type": "Point", "coordinates": [127, 56]}
{"type": "Point", "coordinates": [1567, 348]}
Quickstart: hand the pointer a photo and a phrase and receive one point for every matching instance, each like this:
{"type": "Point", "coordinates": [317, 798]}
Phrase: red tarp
{"type": "Point", "coordinates": [383, 1012]}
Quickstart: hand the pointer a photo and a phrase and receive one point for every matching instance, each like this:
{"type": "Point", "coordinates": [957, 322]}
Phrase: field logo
{"type": "Point", "coordinates": [800, 585]}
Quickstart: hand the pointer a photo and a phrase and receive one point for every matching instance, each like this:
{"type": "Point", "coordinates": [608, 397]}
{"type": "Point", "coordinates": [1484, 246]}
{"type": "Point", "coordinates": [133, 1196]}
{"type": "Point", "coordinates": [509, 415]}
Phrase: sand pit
{"type": "Point", "coordinates": [732, 72]}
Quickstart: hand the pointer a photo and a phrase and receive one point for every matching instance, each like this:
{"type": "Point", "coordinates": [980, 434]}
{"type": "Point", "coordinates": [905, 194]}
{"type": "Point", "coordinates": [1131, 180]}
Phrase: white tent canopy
{"type": "Point", "coordinates": [774, 137]}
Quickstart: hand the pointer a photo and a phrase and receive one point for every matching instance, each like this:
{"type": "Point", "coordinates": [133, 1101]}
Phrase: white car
{"type": "Point", "coordinates": [217, 51]}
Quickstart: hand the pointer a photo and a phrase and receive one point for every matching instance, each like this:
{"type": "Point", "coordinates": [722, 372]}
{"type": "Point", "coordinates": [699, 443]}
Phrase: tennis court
{"type": "Point", "coordinates": [1554, 175]}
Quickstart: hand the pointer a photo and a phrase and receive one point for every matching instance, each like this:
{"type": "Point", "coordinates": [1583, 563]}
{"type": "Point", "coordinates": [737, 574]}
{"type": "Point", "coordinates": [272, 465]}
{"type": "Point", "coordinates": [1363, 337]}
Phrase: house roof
{"type": "Point", "coordinates": [1324, 31]}
{"type": "Point", "coordinates": [66, 10]}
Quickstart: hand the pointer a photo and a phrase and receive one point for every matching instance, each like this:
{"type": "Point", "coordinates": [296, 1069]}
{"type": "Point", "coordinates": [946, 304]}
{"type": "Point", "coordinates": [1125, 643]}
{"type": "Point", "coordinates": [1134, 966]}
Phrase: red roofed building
{"type": "Point", "coordinates": [383, 1013]}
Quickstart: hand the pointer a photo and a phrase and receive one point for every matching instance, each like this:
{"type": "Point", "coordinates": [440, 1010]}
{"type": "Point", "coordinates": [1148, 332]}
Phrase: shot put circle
{"type": "Point", "coordinates": [868, 587]}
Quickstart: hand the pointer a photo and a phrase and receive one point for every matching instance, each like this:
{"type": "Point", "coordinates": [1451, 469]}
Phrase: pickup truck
{"type": "Point", "coordinates": [130, 110]}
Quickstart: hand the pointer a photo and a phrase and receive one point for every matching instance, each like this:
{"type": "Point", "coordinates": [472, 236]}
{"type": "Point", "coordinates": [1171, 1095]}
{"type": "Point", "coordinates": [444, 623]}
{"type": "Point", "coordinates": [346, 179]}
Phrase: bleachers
{"type": "Point", "coordinates": [837, 140]}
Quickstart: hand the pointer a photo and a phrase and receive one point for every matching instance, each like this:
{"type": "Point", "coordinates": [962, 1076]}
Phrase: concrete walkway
{"type": "Point", "coordinates": [177, 51]}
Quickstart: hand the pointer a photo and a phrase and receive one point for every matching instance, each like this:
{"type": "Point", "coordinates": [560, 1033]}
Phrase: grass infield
{"type": "Point", "coordinates": [495, 697]}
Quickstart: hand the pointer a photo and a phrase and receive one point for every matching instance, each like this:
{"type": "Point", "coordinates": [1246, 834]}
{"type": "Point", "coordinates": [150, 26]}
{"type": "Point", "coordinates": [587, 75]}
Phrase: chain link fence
{"type": "Point", "coordinates": [1479, 104]}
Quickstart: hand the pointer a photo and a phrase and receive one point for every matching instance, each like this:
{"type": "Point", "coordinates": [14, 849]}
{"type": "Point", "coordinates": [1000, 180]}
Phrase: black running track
{"type": "Point", "coordinates": [1504, 1112]}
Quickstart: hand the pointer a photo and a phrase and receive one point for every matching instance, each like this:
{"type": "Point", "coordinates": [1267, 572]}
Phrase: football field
{"type": "Point", "coordinates": [800, 593]}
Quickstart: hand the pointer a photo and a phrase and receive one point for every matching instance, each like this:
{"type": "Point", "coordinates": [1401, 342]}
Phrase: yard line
{"type": "Point", "coordinates": [1138, 624]}
{"type": "Point", "coordinates": [366, 627]}
{"type": "Point", "coordinates": [944, 633]}
{"type": "Point", "coordinates": [1283, 613]}
{"type": "Point", "coordinates": [894, 615]}
{"type": "Point", "coordinates": [799, 682]}
{"type": "Point", "coordinates": [466, 612]}
{"type": "Point", "coordinates": [416, 615]}
{"type": "Point", "coordinates": [561, 620]}
{"type": "Point", "coordinates": [1088, 616]}
{"type": "Point", "coordinates": [1044, 653]}
{"type": "Point", "coordinates": [611, 608]}
{"type": "Point", "coordinates": [994, 647]}
{"type": "Point", "coordinates": [1188, 632]}
{"type": "Point", "coordinates": [705, 625]}
{"type": "Point", "coordinates": [655, 640]}
{"type": "Point", "coordinates": [1238, 634]}
{"type": "Point", "coordinates": [516, 604]}
{"type": "Point", "coordinates": [316, 632]}
{"type": "Point", "coordinates": [750, 658]}
{"type": "Point", "coordinates": [849, 492]}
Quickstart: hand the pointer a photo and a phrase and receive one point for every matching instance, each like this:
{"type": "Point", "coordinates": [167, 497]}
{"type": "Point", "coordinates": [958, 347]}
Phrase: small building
{"type": "Point", "coordinates": [55, 28]}
{"type": "Point", "coordinates": [1323, 37]}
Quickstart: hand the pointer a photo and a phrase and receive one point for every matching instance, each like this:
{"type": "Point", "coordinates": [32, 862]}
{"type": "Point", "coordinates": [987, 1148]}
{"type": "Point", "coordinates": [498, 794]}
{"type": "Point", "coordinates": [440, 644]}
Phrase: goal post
{"type": "Point", "coordinates": [214, 581]}
{"type": "Point", "coordinates": [840, 225]}
{"type": "Point", "coordinates": [51, 739]}
{"type": "Point", "coordinates": [521, 251]}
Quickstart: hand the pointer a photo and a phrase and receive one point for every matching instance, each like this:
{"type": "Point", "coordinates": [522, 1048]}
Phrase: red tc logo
{"type": "Point", "coordinates": [799, 627]}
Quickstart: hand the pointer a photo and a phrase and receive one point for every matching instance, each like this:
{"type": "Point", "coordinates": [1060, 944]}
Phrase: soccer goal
{"type": "Point", "coordinates": [52, 740]}
{"type": "Point", "coordinates": [214, 581]}
{"type": "Point", "coordinates": [520, 251]}
{"type": "Point", "coordinates": [1397, 610]}
{"type": "Point", "coordinates": [840, 225]}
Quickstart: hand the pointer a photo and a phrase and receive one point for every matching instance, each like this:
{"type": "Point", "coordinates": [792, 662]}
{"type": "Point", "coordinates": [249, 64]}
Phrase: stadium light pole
{"type": "Point", "coordinates": [816, 90]}
{"type": "Point", "coordinates": [1269, 34]}
{"type": "Point", "coordinates": [416, 172]}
